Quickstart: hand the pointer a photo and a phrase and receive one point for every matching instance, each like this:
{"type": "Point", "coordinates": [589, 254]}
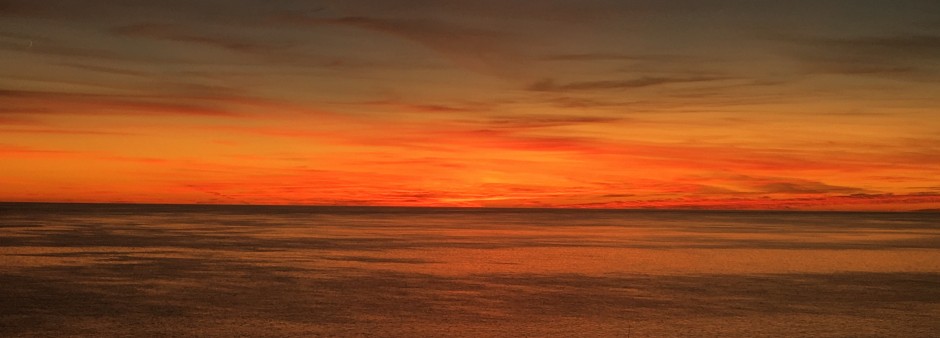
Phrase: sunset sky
{"type": "Point", "coordinates": [829, 105]}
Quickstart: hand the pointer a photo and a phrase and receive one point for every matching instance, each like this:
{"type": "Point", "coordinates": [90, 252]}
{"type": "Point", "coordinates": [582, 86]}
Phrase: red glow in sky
{"type": "Point", "coordinates": [690, 104]}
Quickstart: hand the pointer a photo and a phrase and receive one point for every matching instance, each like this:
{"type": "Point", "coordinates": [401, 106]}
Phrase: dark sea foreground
{"type": "Point", "coordinates": [135, 270]}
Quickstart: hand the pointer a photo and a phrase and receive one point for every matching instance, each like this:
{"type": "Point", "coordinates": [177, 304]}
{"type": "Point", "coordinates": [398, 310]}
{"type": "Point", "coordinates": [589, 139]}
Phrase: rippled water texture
{"type": "Point", "coordinates": [112, 270]}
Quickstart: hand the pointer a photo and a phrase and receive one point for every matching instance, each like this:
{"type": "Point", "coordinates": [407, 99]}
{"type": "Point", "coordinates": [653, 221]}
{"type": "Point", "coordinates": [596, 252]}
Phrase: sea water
{"type": "Point", "coordinates": [165, 270]}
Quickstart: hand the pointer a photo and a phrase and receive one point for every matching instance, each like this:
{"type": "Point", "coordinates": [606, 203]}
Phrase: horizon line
{"type": "Point", "coordinates": [562, 208]}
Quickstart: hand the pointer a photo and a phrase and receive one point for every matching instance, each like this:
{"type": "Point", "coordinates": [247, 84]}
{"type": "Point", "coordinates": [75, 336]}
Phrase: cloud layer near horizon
{"type": "Point", "coordinates": [692, 104]}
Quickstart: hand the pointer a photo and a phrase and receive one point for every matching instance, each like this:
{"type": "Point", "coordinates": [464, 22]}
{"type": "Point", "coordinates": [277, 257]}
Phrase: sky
{"type": "Point", "coordinates": [808, 105]}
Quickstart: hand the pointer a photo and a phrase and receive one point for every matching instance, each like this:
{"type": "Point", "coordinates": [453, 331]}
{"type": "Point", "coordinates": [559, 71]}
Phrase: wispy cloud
{"type": "Point", "coordinates": [912, 56]}
{"type": "Point", "coordinates": [914, 45]}
{"type": "Point", "coordinates": [61, 131]}
{"type": "Point", "coordinates": [428, 107]}
{"type": "Point", "coordinates": [24, 101]}
{"type": "Point", "coordinates": [548, 121]}
{"type": "Point", "coordinates": [840, 202]}
{"type": "Point", "coordinates": [59, 49]}
{"type": "Point", "coordinates": [777, 185]}
{"type": "Point", "coordinates": [471, 48]}
{"type": "Point", "coordinates": [175, 32]}
{"type": "Point", "coordinates": [549, 85]}
{"type": "Point", "coordinates": [108, 69]}
{"type": "Point", "coordinates": [617, 57]}
{"type": "Point", "coordinates": [260, 49]}
{"type": "Point", "coordinates": [16, 120]}
{"type": "Point", "coordinates": [15, 151]}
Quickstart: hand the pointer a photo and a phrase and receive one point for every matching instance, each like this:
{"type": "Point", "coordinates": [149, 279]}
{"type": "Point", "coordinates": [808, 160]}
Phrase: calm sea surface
{"type": "Point", "coordinates": [126, 270]}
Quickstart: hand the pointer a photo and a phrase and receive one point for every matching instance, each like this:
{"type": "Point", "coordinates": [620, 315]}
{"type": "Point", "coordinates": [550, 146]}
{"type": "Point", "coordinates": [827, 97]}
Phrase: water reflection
{"type": "Point", "coordinates": [135, 270]}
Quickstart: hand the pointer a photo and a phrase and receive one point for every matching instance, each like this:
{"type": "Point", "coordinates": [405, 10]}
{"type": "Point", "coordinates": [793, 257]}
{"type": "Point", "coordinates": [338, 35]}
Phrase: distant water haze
{"type": "Point", "coordinates": [151, 270]}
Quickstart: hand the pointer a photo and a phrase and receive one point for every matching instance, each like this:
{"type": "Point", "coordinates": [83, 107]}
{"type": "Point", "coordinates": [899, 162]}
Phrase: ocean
{"type": "Point", "coordinates": [183, 270]}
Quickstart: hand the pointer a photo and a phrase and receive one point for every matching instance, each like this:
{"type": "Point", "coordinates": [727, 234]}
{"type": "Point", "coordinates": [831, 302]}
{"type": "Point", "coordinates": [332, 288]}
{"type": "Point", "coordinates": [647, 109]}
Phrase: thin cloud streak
{"type": "Point", "coordinates": [95, 104]}
{"type": "Point", "coordinates": [62, 131]}
{"type": "Point", "coordinates": [549, 85]}
{"type": "Point", "coordinates": [474, 49]}
{"type": "Point", "coordinates": [175, 33]}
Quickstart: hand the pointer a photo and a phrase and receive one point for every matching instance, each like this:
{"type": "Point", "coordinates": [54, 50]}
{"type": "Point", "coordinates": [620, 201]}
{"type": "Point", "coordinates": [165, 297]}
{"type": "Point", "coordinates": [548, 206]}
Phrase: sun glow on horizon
{"type": "Point", "coordinates": [573, 104]}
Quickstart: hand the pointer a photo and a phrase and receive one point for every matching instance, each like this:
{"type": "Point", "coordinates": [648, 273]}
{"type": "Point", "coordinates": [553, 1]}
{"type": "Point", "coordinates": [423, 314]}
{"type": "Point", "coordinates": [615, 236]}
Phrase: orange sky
{"type": "Point", "coordinates": [690, 104]}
